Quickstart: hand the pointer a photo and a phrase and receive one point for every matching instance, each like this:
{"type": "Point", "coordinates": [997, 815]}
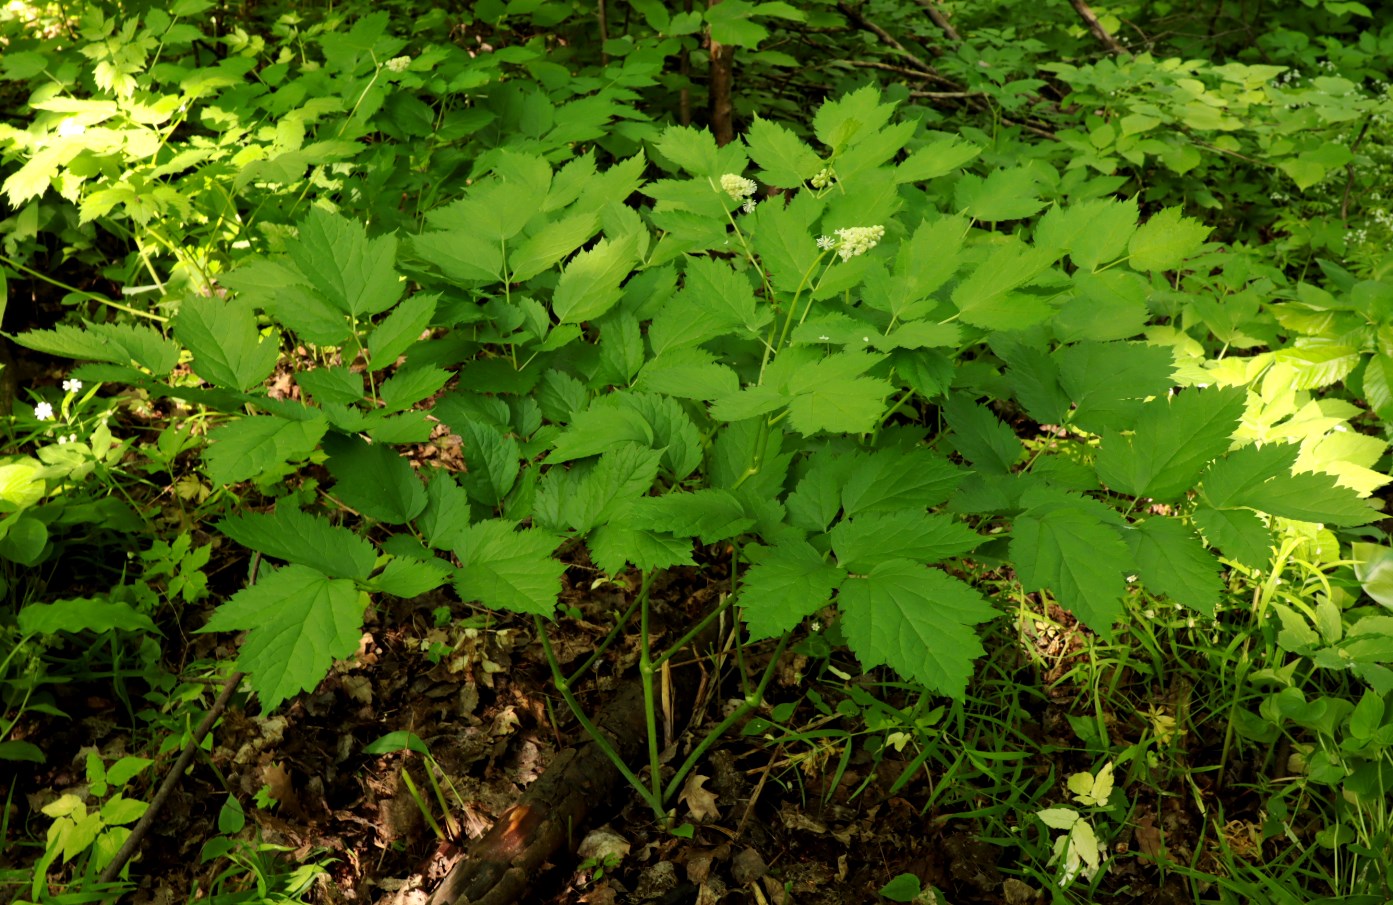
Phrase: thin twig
{"type": "Point", "coordinates": [1090, 18]}
{"type": "Point", "coordinates": [171, 779]}
{"type": "Point", "coordinates": [176, 772]}
{"type": "Point", "coordinates": [861, 21]}
{"type": "Point", "coordinates": [937, 17]}
{"type": "Point", "coordinates": [1349, 171]}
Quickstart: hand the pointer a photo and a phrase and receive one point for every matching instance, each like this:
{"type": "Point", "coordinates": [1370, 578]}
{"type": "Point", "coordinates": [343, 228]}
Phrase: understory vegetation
{"type": "Point", "coordinates": [967, 423]}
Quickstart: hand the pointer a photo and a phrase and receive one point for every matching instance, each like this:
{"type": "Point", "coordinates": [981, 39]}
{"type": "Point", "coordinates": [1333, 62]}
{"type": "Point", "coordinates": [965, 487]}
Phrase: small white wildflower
{"type": "Point", "coordinates": [72, 438]}
{"type": "Point", "coordinates": [825, 242]}
{"type": "Point", "coordinates": [62, 440]}
{"type": "Point", "coordinates": [749, 206]}
{"type": "Point", "coordinates": [72, 385]}
{"type": "Point", "coordinates": [399, 64]}
{"type": "Point", "coordinates": [857, 240]}
{"type": "Point", "coordinates": [738, 187]}
{"type": "Point", "coordinates": [43, 411]}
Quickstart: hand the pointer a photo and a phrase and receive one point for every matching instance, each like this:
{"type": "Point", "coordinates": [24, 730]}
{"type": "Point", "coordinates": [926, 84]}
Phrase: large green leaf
{"type": "Point", "coordinates": [897, 478]}
{"type": "Point", "coordinates": [831, 395]}
{"type": "Point", "coordinates": [1259, 478]}
{"type": "Point", "coordinates": [1093, 232]}
{"type": "Point", "coordinates": [784, 160]}
{"type": "Point", "coordinates": [1174, 438]}
{"type": "Point", "coordinates": [507, 569]}
{"type": "Point", "coordinates": [1166, 240]}
{"type": "Point", "coordinates": [307, 540]}
{"type": "Point", "coordinates": [979, 436]}
{"type": "Point", "coordinates": [1080, 559]}
{"type": "Point", "coordinates": [374, 480]}
{"type": "Point", "coordinates": [83, 614]}
{"type": "Point", "coordinates": [589, 286]}
{"type": "Point", "coordinates": [1009, 194]}
{"type": "Point", "coordinates": [917, 620]}
{"type": "Point", "coordinates": [353, 273]}
{"type": "Point", "coordinates": [223, 338]}
{"type": "Point", "coordinates": [791, 582]}
{"type": "Point", "coordinates": [253, 446]}
{"type": "Point", "coordinates": [988, 297]}
{"type": "Point", "coordinates": [1172, 561]}
{"type": "Point", "coordinates": [298, 622]}
{"type": "Point", "coordinates": [866, 541]}
{"type": "Point", "coordinates": [1239, 533]}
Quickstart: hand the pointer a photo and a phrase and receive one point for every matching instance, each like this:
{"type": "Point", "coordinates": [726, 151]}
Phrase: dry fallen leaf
{"type": "Point", "coordinates": [700, 801]}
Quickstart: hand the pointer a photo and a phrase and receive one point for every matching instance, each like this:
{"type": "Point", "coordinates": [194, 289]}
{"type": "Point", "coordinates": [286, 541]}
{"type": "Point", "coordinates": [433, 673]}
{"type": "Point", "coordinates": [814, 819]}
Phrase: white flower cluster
{"type": "Point", "coordinates": [740, 188]}
{"type": "Point", "coordinates": [398, 64]}
{"type": "Point", "coordinates": [852, 241]}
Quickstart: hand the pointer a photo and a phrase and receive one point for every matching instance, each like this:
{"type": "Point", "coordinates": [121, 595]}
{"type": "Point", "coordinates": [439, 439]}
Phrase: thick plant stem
{"type": "Point", "coordinates": [722, 82]}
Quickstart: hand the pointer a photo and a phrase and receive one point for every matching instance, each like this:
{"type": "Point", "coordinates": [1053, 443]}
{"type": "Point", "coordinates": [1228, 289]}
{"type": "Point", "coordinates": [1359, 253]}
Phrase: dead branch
{"type": "Point", "coordinates": [1090, 18]}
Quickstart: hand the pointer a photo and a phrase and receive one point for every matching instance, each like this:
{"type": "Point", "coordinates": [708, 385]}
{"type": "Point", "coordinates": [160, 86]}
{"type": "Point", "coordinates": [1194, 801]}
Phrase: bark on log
{"type": "Point", "coordinates": [551, 813]}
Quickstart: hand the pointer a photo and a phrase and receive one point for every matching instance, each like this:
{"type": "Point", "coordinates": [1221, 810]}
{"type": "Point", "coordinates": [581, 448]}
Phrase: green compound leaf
{"type": "Point", "coordinates": [257, 445]}
{"type": "Point", "coordinates": [1260, 478]}
{"type": "Point", "coordinates": [708, 515]}
{"type": "Point", "coordinates": [549, 245]}
{"type": "Point", "coordinates": [400, 330]}
{"type": "Point", "coordinates": [988, 297]}
{"type": "Point", "coordinates": [492, 462]}
{"type": "Point", "coordinates": [829, 396]}
{"type": "Point", "coordinates": [1172, 561]}
{"type": "Point", "coordinates": [1107, 381]}
{"type": "Point", "coordinates": [1009, 194]}
{"type": "Point", "coordinates": [783, 158]}
{"type": "Point", "coordinates": [863, 542]}
{"type": "Point", "coordinates": [354, 274]}
{"type": "Point", "coordinates": [589, 286]}
{"type": "Point", "coordinates": [406, 577]}
{"type": "Point", "coordinates": [614, 545]}
{"type": "Point", "coordinates": [1092, 232]}
{"type": "Point", "coordinates": [1166, 240]}
{"type": "Point", "coordinates": [506, 569]}
{"type": "Point", "coordinates": [1174, 438]}
{"type": "Point", "coordinates": [897, 478]}
{"type": "Point", "coordinates": [304, 539]}
{"type": "Point", "coordinates": [979, 436]}
{"type": "Point", "coordinates": [1070, 552]}
{"type": "Point", "coordinates": [373, 480]}
{"type": "Point", "coordinates": [939, 157]}
{"type": "Point", "coordinates": [788, 584]}
{"type": "Point", "coordinates": [223, 338]}
{"type": "Point", "coordinates": [115, 343]}
{"type": "Point", "coordinates": [916, 620]}
{"type": "Point", "coordinates": [1239, 533]}
{"type": "Point", "coordinates": [298, 622]}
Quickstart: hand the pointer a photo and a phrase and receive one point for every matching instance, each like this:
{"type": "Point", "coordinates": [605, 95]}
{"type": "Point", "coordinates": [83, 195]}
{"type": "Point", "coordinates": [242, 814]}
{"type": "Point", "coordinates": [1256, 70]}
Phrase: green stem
{"type": "Point", "coordinates": [695, 630]}
{"type": "Point", "coordinates": [646, 669]}
{"type": "Point", "coordinates": [752, 700]}
{"type": "Point", "coordinates": [590, 728]}
{"type": "Point", "coordinates": [604, 645]}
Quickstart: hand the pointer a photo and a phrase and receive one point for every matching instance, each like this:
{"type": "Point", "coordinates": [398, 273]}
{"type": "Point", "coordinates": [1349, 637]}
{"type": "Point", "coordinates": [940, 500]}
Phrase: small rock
{"type": "Point", "coordinates": [748, 866]}
{"type": "Point", "coordinates": [656, 880]}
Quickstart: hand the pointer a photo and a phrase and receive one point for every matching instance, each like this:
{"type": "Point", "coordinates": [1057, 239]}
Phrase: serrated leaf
{"type": "Point", "coordinates": [1319, 365]}
{"type": "Point", "coordinates": [506, 569]}
{"type": "Point", "coordinates": [1092, 232]}
{"type": "Point", "coordinates": [614, 545]}
{"type": "Point", "coordinates": [300, 538]}
{"type": "Point", "coordinates": [979, 436]}
{"type": "Point", "coordinates": [1174, 438]}
{"type": "Point", "coordinates": [783, 239]}
{"type": "Point", "coordinates": [298, 622]}
{"type": "Point", "coordinates": [938, 158]}
{"type": "Point", "coordinates": [353, 273]}
{"type": "Point", "coordinates": [1171, 560]}
{"type": "Point", "coordinates": [255, 445]}
{"type": "Point", "coordinates": [694, 150]}
{"type": "Point", "coordinates": [916, 620]}
{"type": "Point", "coordinates": [446, 513]}
{"type": "Point", "coordinates": [332, 385]}
{"type": "Point", "coordinates": [845, 120]}
{"type": "Point", "coordinates": [400, 330]}
{"type": "Point", "coordinates": [1260, 478]}
{"type": "Point", "coordinates": [1058, 818]}
{"type": "Point", "coordinates": [988, 297]}
{"type": "Point", "coordinates": [407, 578]}
{"type": "Point", "coordinates": [223, 338]}
{"type": "Point", "coordinates": [409, 386]}
{"type": "Point", "coordinates": [688, 373]}
{"type": "Point", "coordinates": [602, 493]}
{"type": "Point", "coordinates": [709, 515]}
{"type": "Point", "coordinates": [1166, 240]}
{"type": "Point", "coordinates": [829, 395]}
{"type": "Point", "coordinates": [549, 245]}
{"type": "Point", "coordinates": [1080, 559]}
{"type": "Point", "coordinates": [1106, 381]}
{"type": "Point", "coordinates": [791, 582]}
{"type": "Point", "coordinates": [589, 286]}
{"type": "Point", "coordinates": [892, 479]}
{"type": "Point", "coordinates": [598, 429]}
{"type": "Point", "coordinates": [374, 480]}
{"type": "Point", "coordinates": [1009, 194]}
{"type": "Point", "coordinates": [865, 541]}
{"type": "Point", "coordinates": [784, 160]}
{"type": "Point", "coordinates": [1243, 470]}
{"type": "Point", "coordinates": [492, 462]}
{"type": "Point", "coordinates": [1239, 533]}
